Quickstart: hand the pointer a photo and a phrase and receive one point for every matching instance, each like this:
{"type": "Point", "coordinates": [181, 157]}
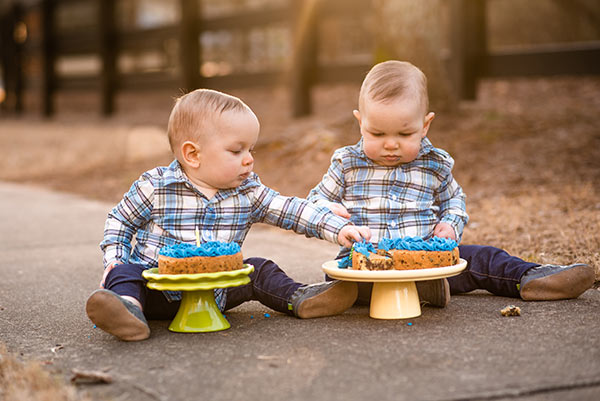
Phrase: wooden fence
{"type": "Point", "coordinates": [469, 58]}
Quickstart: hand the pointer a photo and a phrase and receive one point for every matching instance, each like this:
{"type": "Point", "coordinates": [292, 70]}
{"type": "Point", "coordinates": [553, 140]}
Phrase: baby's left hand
{"type": "Point", "coordinates": [350, 234]}
{"type": "Point", "coordinates": [444, 230]}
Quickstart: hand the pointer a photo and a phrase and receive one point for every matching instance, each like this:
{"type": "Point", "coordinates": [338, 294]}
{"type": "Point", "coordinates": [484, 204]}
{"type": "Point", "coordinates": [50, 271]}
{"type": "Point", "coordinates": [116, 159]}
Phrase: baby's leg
{"type": "Point", "coordinates": [275, 289]}
{"type": "Point", "coordinates": [117, 309]}
{"type": "Point", "coordinates": [502, 274]}
{"type": "Point", "coordinates": [491, 269]}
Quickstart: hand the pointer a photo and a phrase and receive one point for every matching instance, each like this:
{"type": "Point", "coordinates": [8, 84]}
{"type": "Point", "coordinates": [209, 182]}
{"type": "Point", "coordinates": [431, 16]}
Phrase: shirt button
{"type": "Point", "coordinates": [392, 224]}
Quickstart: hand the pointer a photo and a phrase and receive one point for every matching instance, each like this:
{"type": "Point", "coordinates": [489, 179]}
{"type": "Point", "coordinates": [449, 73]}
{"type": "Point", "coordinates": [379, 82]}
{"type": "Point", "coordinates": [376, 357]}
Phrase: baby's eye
{"type": "Point", "coordinates": [236, 152]}
{"type": "Point", "coordinates": [377, 133]}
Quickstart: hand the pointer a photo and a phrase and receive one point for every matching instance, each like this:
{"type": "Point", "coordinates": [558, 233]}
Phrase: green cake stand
{"type": "Point", "coordinates": [198, 311]}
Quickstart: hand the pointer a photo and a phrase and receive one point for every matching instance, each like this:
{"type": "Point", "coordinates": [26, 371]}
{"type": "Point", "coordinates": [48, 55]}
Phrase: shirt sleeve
{"type": "Point", "coordinates": [296, 214]}
{"type": "Point", "coordinates": [124, 220]}
{"type": "Point", "coordinates": [331, 187]}
{"type": "Point", "coordinates": [451, 200]}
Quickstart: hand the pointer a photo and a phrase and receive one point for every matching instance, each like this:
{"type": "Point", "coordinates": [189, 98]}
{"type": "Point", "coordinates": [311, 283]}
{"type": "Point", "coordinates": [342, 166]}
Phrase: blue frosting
{"type": "Point", "coordinates": [406, 243]}
{"type": "Point", "coordinates": [363, 247]}
{"type": "Point", "coordinates": [418, 244]}
{"type": "Point", "coordinates": [211, 248]}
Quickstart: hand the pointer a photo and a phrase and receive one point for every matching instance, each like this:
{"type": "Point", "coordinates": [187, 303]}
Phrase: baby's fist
{"type": "Point", "coordinates": [350, 234]}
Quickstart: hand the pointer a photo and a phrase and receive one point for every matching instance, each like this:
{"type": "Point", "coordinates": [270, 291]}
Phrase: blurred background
{"type": "Point", "coordinates": [86, 88]}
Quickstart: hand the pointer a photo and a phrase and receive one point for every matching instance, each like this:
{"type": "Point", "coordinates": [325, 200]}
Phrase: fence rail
{"type": "Point", "coordinates": [469, 61]}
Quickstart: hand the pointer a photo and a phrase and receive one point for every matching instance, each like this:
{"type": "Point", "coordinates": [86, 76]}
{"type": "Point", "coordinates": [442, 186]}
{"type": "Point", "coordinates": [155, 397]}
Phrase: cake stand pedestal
{"type": "Point", "coordinates": [394, 293]}
{"type": "Point", "coordinates": [198, 311]}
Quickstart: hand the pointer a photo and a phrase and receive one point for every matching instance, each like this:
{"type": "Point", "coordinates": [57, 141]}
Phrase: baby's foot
{"type": "Point", "coordinates": [117, 316]}
{"type": "Point", "coordinates": [552, 282]}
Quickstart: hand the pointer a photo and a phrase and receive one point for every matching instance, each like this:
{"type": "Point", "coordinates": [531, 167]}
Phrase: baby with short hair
{"type": "Point", "coordinates": [209, 185]}
{"type": "Point", "coordinates": [398, 184]}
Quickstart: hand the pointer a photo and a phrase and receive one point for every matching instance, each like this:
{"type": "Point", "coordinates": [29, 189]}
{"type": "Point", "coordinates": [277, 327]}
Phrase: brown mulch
{"type": "Point", "coordinates": [527, 154]}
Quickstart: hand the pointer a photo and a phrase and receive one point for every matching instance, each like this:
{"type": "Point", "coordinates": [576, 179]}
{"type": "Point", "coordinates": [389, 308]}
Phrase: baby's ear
{"type": "Point", "coordinates": [427, 123]}
{"type": "Point", "coordinates": [356, 114]}
{"type": "Point", "coordinates": [190, 152]}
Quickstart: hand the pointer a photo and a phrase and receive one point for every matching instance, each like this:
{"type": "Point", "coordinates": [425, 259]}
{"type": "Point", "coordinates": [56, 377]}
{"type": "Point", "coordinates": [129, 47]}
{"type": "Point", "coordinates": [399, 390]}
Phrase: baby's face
{"type": "Point", "coordinates": [392, 131]}
{"type": "Point", "coordinates": [226, 153]}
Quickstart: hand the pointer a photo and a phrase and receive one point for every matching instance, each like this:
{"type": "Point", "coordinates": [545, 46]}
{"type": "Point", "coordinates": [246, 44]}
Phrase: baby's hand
{"type": "Point", "coordinates": [339, 209]}
{"type": "Point", "coordinates": [444, 230]}
{"type": "Point", "coordinates": [350, 234]}
{"type": "Point", "coordinates": [106, 271]}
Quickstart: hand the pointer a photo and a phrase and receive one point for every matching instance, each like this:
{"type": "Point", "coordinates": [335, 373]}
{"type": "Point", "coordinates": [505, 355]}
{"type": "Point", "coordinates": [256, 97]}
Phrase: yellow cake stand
{"type": "Point", "coordinates": [394, 293]}
{"type": "Point", "coordinates": [198, 311]}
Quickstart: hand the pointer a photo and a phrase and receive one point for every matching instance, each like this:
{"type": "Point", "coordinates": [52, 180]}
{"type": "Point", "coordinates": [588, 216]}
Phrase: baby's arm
{"type": "Point", "coordinates": [123, 221]}
{"type": "Point", "coordinates": [303, 217]}
{"type": "Point", "coordinates": [453, 214]}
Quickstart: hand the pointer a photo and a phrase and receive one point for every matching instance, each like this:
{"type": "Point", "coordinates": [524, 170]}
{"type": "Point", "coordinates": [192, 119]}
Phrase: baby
{"type": "Point", "coordinates": [209, 185]}
{"type": "Point", "coordinates": [398, 184]}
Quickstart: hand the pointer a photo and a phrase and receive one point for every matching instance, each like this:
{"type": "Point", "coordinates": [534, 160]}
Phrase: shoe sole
{"type": "Point", "coordinates": [568, 284]}
{"type": "Point", "coordinates": [335, 300]}
{"type": "Point", "coordinates": [110, 314]}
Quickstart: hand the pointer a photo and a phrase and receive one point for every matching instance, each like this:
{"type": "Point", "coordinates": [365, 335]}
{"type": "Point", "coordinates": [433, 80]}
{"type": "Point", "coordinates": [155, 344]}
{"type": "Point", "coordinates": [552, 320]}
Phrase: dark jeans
{"type": "Point", "coordinates": [268, 284]}
{"type": "Point", "coordinates": [488, 268]}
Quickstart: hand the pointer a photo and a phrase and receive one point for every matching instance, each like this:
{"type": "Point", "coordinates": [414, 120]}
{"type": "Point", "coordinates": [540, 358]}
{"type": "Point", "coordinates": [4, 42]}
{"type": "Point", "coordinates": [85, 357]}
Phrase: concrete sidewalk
{"type": "Point", "coordinates": [51, 262]}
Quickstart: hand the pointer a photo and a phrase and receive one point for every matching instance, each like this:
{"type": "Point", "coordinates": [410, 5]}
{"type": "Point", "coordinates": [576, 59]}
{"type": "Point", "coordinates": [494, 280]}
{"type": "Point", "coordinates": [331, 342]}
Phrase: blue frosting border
{"type": "Point", "coordinates": [211, 248]}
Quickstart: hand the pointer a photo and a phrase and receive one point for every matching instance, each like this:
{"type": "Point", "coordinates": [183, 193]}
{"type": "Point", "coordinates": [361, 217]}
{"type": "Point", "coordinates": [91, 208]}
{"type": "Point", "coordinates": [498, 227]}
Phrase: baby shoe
{"type": "Point", "coordinates": [117, 316]}
{"type": "Point", "coordinates": [552, 282]}
{"type": "Point", "coordinates": [323, 299]}
{"type": "Point", "coordinates": [434, 292]}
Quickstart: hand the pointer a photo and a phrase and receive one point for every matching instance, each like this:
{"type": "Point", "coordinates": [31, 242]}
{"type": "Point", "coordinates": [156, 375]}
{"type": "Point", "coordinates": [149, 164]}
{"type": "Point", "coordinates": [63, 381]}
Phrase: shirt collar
{"type": "Point", "coordinates": [174, 174]}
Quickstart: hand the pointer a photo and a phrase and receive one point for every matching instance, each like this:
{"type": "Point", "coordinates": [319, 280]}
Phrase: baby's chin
{"type": "Point", "coordinates": [387, 163]}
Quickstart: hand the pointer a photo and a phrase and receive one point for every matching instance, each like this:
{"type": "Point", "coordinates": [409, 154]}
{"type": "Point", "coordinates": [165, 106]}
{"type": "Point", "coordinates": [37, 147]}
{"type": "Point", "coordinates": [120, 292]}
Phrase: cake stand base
{"type": "Point", "coordinates": [394, 300]}
{"type": "Point", "coordinates": [198, 313]}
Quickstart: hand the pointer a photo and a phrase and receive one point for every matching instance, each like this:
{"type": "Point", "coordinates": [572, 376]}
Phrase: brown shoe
{"type": "Point", "coordinates": [117, 316]}
{"type": "Point", "coordinates": [434, 292]}
{"type": "Point", "coordinates": [553, 282]}
{"type": "Point", "coordinates": [323, 299]}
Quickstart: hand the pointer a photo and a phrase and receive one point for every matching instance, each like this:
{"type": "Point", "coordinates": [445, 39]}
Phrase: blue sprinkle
{"type": "Point", "coordinates": [410, 324]}
{"type": "Point", "coordinates": [94, 326]}
{"type": "Point", "coordinates": [267, 315]}
{"type": "Point", "coordinates": [251, 316]}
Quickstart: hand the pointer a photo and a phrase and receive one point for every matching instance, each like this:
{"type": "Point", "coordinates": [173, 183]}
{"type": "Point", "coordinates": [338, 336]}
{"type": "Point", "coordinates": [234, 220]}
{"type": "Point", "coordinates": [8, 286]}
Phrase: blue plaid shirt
{"type": "Point", "coordinates": [406, 200]}
{"type": "Point", "coordinates": [163, 208]}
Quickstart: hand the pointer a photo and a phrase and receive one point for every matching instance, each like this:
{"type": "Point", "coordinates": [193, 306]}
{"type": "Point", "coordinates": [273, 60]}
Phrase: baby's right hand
{"type": "Point", "coordinates": [106, 271]}
{"type": "Point", "coordinates": [339, 209]}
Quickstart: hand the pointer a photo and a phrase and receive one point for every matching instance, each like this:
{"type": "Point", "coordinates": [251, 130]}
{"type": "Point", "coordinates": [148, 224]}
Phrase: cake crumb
{"type": "Point", "coordinates": [511, 310]}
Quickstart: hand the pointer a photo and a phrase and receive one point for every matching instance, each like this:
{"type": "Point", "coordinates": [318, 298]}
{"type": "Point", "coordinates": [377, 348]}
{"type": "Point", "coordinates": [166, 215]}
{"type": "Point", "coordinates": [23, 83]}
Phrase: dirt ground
{"type": "Point", "coordinates": [527, 154]}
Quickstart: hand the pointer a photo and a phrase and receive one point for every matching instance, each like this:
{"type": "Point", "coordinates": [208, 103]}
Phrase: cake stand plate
{"type": "Point", "coordinates": [394, 293]}
{"type": "Point", "coordinates": [198, 311]}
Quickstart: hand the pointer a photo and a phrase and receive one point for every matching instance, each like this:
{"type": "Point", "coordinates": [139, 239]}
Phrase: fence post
{"type": "Point", "coordinates": [108, 54]}
{"type": "Point", "coordinates": [189, 44]}
{"type": "Point", "coordinates": [468, 45]}
{"type": "Point", "coordinates": [11, 47]}
{"type": "Point", "coordinates": [48, 56]}
{"type": "Point", "coordinates": [304, 67]}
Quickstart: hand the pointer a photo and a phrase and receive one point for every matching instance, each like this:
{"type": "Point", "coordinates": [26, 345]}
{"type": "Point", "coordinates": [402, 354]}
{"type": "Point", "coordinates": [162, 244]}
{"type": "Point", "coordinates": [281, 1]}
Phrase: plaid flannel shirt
{"type": "Point", "coordinates": [163, 208]}
{"type": "Point", "coordinates": [406, 200]}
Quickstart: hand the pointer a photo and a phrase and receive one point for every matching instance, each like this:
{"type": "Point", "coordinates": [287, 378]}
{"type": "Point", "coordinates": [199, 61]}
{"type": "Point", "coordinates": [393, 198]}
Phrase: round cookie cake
{"type": "Point", "coordinates": [406, 253]}
{"type": "Point", "coordinates": [209, 257]}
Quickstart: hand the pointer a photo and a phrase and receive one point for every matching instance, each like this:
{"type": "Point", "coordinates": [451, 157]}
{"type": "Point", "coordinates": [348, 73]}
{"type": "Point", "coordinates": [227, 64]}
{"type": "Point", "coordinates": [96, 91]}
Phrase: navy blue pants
{"type": "Point", "coordinates": [268, 284]}
{"type": "Point", "coordinates": [488, 268]}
